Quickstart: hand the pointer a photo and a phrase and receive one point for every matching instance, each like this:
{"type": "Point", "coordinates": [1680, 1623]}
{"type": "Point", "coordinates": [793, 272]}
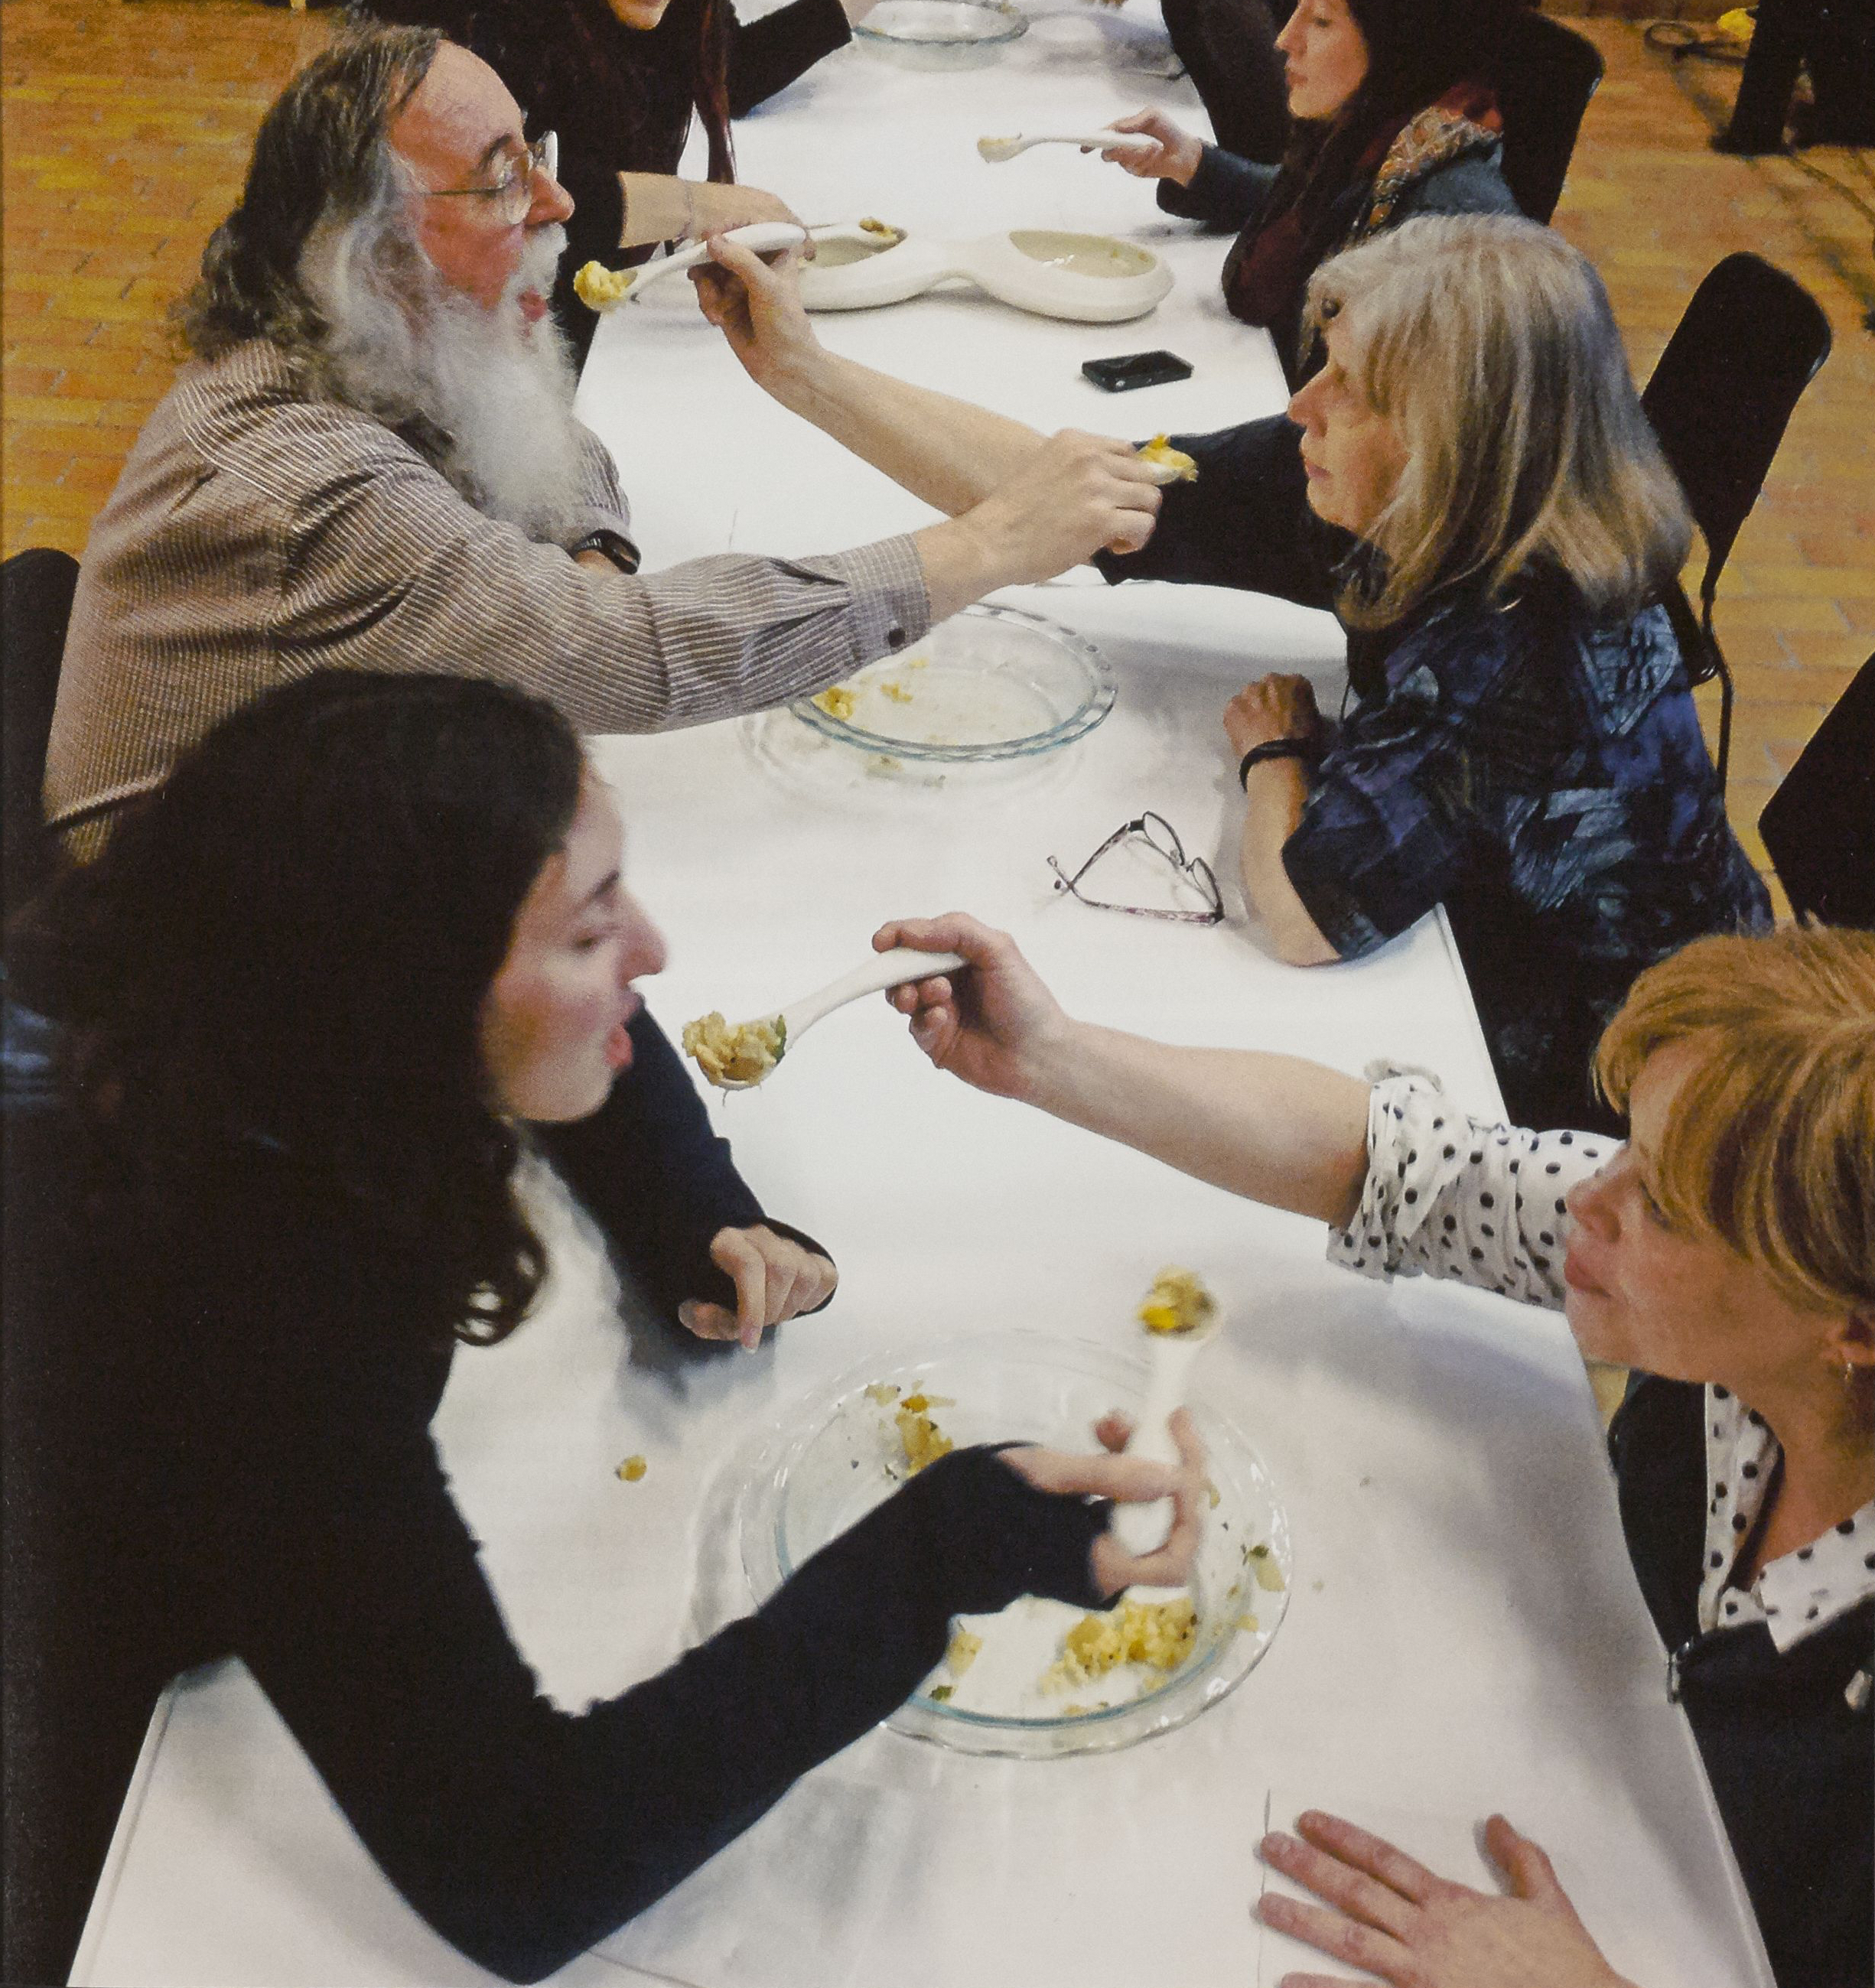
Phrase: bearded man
{"type": "Point", "coordinates": [373, 463]}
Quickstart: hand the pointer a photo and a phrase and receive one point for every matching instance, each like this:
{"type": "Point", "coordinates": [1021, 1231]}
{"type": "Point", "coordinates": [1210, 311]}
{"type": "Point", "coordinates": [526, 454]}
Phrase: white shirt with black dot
{"type": "Point", "coordinates": [1449, 1195]}
{"type": "Point", "coordinates": [1793, 1596]}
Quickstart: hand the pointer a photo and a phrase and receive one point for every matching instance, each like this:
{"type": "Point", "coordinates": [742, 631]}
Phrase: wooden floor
{"type": "Point", "coordinates": [126, 133]}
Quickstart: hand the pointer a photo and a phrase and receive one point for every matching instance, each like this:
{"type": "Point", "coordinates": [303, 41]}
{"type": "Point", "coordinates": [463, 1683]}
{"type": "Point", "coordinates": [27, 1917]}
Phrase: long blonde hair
{"type": "Point", "coordinates": [1487, 341]}
{"type": "Point", "coordinates": [1770, 1148]}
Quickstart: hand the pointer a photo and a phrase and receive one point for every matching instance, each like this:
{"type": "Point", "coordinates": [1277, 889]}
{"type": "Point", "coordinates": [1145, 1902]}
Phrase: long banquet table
{"type": "Point", "coordinates": [1464, 1633]}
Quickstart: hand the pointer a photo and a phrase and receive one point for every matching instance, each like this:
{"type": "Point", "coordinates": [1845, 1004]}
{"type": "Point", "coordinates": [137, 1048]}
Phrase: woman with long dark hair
{"type": "Point", "coordinates": [621, 82]}
{"type": "Point", "coordinates": [1392, 115]}
{"type": "Point", "coordinates": [368, 947]}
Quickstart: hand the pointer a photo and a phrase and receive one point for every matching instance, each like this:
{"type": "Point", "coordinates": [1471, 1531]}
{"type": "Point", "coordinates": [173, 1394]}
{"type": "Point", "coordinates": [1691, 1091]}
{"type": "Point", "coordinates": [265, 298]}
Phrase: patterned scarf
{"type": "Point", "coordinates": [1270, 266]}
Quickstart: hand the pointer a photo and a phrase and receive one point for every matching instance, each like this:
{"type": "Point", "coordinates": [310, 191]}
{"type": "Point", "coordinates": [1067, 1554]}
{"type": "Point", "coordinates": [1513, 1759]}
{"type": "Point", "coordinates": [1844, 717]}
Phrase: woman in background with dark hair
{"type": "Point", "coordinates": [620, 81]}
{"type": "Point", "coordinates": [313, 996]}
{"type": "Point", "coordinates": [1392, 116]}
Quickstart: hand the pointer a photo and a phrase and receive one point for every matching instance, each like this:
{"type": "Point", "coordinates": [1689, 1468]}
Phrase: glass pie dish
{"type": "Point", "coordinates": [942, 24]}
{"type": "Point", "coordinates": [992, 683]}
{"type": "Point", "coordinates": [831, 1458]}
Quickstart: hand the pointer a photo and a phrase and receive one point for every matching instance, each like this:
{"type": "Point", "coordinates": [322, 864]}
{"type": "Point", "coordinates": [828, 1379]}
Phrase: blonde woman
{"type": "Point", "coordinates": [1477, 494]}
{"type": "Point", "coordinates": [1521, 744]}
{"type": "Point", "coordinates": [1726, 1252]}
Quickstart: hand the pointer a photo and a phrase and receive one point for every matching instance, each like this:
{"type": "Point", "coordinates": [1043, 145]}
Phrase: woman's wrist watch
{"type": "Point", "coordinates": [1275, 749]}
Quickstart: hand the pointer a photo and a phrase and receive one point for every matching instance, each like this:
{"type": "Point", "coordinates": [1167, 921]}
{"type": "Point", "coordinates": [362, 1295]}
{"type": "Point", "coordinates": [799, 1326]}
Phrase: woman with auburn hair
{"type": "Point", "coordinates": [1725, 1252]}
{"type": "Point", "coordinates": [1470, 482]}
{"type": "Point", "coordinates": [1392, 115]}
{"type": "Point", "coordinates": [369, 948]}
{"type": "Point", "coordinates": [620, 82]}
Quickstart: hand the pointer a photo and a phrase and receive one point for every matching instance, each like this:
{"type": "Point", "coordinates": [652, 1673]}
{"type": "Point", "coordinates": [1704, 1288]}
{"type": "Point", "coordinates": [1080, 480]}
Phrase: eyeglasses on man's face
{"type": "Point", "coordinates": [510, 198]}
{"type": "Point", "coordinates": [1162, 838]}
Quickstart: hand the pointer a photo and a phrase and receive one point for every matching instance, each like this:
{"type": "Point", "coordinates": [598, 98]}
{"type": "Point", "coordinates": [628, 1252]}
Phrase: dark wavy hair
{"type": "Point", "coordinates": [1416, 51]}
{"type": "Point", "coordinates": [321, 155]}
{"type": "Point", "coordinates": [289, 946]}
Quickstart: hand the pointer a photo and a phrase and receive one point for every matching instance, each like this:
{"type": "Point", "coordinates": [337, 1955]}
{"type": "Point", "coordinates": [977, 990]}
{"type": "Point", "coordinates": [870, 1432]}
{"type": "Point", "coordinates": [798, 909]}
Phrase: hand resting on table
{"type": "Point", "coordinates": [1397, 1919]}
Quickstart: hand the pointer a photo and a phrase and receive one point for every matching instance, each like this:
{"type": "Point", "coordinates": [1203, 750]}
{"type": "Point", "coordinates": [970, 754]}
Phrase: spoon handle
{"type": "Point", "coordinates": [883, 970]}
{"type": "Point", "coordinates": [1105, 141]}
{"type": "Point", "coordinates": [763, 237]}
{"type": "Point", "coordinates": [1143, 1528]}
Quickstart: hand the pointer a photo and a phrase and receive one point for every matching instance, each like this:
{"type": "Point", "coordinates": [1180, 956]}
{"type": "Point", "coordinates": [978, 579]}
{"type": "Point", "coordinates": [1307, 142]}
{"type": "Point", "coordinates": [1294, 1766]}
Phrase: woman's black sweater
{"type": "Point", "coordinates": [218, 1445]}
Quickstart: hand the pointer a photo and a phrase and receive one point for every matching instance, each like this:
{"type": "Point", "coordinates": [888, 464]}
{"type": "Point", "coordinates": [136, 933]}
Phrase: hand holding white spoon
{"type": "Point", "coordinates": [778, 1033]}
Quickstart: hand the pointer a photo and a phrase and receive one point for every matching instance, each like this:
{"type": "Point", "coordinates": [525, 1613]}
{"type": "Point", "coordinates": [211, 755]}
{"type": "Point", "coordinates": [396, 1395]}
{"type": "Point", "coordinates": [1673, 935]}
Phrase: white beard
{"type": "Point", "coordinates": [404, 347]}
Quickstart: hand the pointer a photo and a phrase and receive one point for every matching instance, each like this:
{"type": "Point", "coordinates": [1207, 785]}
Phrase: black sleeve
{"type": "Point", "coordinates": [767, 54]}
{"type": "Point", "coordinates": [1244, 523]}
{"type": "Point", "coordinates": [655, 1175]}
{"type": "Point", "coordinates": [1226, 191]}
{"type": "Point", "coordinates": [523, 1833]}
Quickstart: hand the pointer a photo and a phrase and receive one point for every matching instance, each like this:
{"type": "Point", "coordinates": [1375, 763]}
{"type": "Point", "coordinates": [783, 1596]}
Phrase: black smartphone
{"type": "Point", "coordinates": [1126, 370]}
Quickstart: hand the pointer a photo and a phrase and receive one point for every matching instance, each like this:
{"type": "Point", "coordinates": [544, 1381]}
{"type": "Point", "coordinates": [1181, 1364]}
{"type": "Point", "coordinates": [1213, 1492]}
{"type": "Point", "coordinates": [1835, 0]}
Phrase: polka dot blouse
{"type": "Point", "coordinates": [1448, 1195]}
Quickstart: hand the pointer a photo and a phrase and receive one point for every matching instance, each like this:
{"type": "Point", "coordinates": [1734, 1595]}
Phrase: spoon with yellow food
{"type": "Point", "coordinates": [1181, 1318]}
{"type": "Point", "coordinates": [737, 1057]}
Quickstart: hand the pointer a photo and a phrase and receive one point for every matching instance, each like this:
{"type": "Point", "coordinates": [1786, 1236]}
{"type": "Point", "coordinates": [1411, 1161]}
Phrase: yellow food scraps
{"type": "Point", "coordinates": [600, 289]}
{"type": "Point", "coordinates": [1160, 451]}
{"type": "Point", "coordinates": [962, 1652]}
{"type": "Point", "coordinates": [743, 1054]}
{"type": "Point", "coordinates": [942, 1691]}
{"type": "Point", "coordinates": [882, 1391]}
{"type": "Point", "coordinates": [1178, 1302]}
{"type": "Point", "coordinates": [837, 701]}
{"type": "Point", "coordinates": [633, 1468]}
{"type": "Point", "coordinates": [1248, 1624]}
{"type": "Point", "coordinates": [1269, 1575]}
{"type": "Point", "coordinates": [873, 226]}
{"type": "Point", "coordinates": [925, 1442]}
{"type": "Point", "coordinates": [1159, 1633]}
{"type": "Point", "coordinates": [897, 692]}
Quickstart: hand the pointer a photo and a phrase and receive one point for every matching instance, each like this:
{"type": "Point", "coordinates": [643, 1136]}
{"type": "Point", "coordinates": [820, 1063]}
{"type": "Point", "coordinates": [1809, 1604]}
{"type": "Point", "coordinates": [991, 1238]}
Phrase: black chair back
{"type": "Point", "coordinates": [1819, 826]}
{"type": "Point", "coordinates": [1720, 400]}
{"type": "Point", "coordinates": [1545, 75]}
{"type": "Point", "coordinates": [35, 601]}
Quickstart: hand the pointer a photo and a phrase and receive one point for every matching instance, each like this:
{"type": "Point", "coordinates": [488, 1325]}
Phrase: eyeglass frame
{"type": "Point", "coordinates": [517, 188]}
{"type": "Point", "coordinates": [1193, 867]}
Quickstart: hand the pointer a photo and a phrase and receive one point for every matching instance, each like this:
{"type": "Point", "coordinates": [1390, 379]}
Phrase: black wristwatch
{"type": "Point", "coordinates": [1275, 749]}
{"type": "Point", "coordinates": [620, 550]}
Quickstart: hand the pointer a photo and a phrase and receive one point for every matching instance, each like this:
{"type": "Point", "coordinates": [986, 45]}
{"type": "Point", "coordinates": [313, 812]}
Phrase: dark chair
{"type": "Point", "coordinates": [1819, 826]}
{"type": "Point", "coordinates": [1544, 76]}
{"type": "Point", "coordinates": [1720, 400]}
{"type": "Point", "coordinates": [35, 604]}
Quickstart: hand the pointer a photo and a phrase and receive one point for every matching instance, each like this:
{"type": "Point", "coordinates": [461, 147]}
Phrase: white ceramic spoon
{"type": "Point", "coordinates": [883, 970]}
{"type": "Point", "coordinates": [1142, 1528]}
{"type": "Point", "coordinates": [996, 151]}
{"type": "Point", "coordinates": [762, 237]}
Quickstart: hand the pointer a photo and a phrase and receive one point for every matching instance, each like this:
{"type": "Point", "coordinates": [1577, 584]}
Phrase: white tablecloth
{"type": "Point", "coordinates": [1464, 1633]}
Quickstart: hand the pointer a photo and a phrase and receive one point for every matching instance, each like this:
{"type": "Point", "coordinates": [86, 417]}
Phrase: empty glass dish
{"type": "Point", "coordinates": [992, 683]}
